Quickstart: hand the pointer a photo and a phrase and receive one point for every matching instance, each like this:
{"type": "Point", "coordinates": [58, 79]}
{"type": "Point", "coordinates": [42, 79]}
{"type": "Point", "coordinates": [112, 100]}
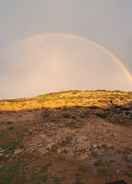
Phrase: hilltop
{"type": "Point", "coordinates": [70, 137]}
{"type": "Point", "coordinates": [99, 98]}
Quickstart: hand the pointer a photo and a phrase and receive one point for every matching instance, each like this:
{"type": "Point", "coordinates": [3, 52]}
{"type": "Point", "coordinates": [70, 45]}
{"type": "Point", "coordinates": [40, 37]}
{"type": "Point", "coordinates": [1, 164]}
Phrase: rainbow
{"type": "Point", "coordinates": [46, 56]}
{"type": "Point", "coordinates": [115, 58]}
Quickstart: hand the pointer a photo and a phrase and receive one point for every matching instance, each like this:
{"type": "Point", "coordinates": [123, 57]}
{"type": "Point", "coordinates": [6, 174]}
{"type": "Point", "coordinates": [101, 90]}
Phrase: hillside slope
{"type": "Point", "coordinates": [72, 137]}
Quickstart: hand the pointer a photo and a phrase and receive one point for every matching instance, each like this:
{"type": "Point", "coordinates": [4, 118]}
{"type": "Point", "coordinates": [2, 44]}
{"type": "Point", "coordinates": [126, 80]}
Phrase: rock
{"type": "Point", "coordinates": [2, 150]}
{"type": "Point", "coordinates": [1, 154]}
{"type": "Point", "coordinates": [18, 151]}
{"type": "Point", "coordinates": [129, 158]}
{"type": "Point", "coordinates": [95, 146]}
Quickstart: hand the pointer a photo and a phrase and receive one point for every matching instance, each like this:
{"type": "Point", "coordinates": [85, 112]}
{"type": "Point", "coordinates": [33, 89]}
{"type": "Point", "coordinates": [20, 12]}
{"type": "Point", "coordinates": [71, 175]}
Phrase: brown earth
{"type": "Point", "coordinates": [74, 137]}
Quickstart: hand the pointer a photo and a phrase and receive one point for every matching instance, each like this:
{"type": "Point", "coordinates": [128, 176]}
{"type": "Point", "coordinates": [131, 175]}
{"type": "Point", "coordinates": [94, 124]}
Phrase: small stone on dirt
{"type": "Point", "coordinates": [18, 151]}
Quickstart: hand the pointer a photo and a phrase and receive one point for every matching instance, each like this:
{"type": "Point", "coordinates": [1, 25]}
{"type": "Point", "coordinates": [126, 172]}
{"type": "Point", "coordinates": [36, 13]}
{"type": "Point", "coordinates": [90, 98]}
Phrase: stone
{"type": "Point", "coordinates": [129, 158]}
{"type": "Point", "coordinates": [1, 154]}
{"type": "Point", "coordinates": [17, 151]}
{"type": "Point", "coordinates": [2, 150]}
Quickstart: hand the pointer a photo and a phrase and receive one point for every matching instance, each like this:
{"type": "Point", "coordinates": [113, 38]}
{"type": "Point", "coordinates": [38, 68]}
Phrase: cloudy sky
{"type": "Point", "coordinates": [107, 22]}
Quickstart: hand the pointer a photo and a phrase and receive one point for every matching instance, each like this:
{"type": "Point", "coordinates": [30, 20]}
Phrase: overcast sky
{"type": "Point", "coordinates": [108, 22]}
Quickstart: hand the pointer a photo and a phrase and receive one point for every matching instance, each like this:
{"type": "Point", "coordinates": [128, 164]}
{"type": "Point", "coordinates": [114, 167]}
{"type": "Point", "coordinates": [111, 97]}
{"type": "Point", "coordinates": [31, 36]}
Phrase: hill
{"type": "Point", "coordinates": [71, 137]}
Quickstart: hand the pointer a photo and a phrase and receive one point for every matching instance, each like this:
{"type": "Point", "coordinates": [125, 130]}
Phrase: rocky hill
{"type": "Point", "coordinates": [71, 137]}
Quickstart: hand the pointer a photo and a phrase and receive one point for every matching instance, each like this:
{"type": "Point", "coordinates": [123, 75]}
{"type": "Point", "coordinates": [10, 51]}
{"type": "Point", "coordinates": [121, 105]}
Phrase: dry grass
{"type": "Point", "coordinates": [69, 99]}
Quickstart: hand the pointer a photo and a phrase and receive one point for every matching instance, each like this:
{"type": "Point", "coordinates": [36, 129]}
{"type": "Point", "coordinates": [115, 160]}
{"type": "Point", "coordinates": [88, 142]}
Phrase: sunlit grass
{"type": "Point", "coordinates": [68, 99]}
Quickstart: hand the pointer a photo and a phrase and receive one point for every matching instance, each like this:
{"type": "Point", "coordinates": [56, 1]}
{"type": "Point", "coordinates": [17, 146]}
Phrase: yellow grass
{"type": "Point", "coordinates": [69, 99]}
